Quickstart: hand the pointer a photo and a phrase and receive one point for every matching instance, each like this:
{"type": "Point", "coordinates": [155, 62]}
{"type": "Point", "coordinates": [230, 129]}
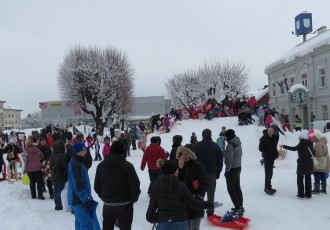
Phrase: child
{"type": "Point", "coordinates": [106, 148]}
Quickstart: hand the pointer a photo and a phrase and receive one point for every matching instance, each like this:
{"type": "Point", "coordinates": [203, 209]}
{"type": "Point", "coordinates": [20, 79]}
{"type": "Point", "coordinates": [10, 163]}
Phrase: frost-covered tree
{"type": "Point", "coordinates": [99, 80]}
{"type": "Point", "coordinates": [32, 120]}
{"type": "Point", "coordinates": [213, 80]}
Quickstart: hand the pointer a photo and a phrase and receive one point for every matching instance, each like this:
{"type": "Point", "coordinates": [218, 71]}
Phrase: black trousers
{"type": "Point", "coordinates": [36, 177]}
{"type": "Point", "coordinates": [234, 187]}
{"type": "Point", "coordinates": [307, 189]}
{"type": "Point", "coordinates": [268, 164]}
{"type": "Point", "coordinates": [124, 214]}
{"type": "Point", "coordinates": [134, 144]}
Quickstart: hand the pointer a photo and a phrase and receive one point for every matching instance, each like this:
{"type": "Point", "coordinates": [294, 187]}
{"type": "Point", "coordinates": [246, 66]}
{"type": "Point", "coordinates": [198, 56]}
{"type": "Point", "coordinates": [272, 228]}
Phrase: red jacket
{"type": "Point", "coordinates": [106, 150]}
{"type": "Point", "coordinates": [152, 153]}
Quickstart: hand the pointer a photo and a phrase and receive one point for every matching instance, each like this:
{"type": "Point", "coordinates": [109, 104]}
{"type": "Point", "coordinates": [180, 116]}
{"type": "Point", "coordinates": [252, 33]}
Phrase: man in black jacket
{"type": "Point", "coordinates": [268, 147]}
{"type": "Point", "coordinates": [118, 186]}
{"type": "Point", "coordinates": [209, 154]}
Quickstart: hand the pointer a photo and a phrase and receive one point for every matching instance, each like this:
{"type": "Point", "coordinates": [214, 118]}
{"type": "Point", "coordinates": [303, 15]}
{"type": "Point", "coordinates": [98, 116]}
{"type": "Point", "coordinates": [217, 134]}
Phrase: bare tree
{"type": "Point", "coordinates": [213, 80]}
{"type": "Point", "coordinates": [32, 120]}
{"type": "Point", "coordinates": [100, 81]}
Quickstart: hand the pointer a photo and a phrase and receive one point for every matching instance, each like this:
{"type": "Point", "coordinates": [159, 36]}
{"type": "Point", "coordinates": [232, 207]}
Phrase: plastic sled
{"type": "Point", "coordinates": [241, 223]}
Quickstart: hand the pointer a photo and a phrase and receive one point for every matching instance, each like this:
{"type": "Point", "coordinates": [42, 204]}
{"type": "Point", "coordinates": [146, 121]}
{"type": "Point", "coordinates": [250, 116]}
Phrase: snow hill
{"type": "Point", "coordinates": [281, 211]}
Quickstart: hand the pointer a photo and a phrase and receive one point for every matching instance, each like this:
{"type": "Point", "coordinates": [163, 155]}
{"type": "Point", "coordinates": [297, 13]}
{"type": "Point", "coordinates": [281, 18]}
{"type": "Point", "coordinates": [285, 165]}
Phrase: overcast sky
{"type": "Point", "coordinates": [160, 38]}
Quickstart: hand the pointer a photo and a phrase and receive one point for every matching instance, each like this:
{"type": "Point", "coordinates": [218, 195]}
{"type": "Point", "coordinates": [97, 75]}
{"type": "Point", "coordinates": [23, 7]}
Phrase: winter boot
{"type": "Point", "coordinates": [316, 189]}
{"type": "Point", "coordinates": [324, 189]}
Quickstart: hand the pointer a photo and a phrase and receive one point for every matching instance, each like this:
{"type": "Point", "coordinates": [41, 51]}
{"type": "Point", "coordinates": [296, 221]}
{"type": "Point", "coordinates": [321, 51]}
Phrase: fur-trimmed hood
{"type": "Point", "coordinates": [184, 150]}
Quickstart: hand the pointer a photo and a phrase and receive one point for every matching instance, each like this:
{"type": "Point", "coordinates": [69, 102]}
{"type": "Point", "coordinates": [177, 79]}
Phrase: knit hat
{"type": "Point", "coordinates": [317, 134]}
{"type": "Point", "coordinates": [303, 135]}
{"type": "Point", "coordinates": [230, 133]}
{"type": "Point", "coordinates": [168, 166]}
{"type": "Point", "coordinates": [206, 134]}
{"type": "Point", "coordinates": [77, 147]}
{"type": "Point", "coordinates": [117, 147]}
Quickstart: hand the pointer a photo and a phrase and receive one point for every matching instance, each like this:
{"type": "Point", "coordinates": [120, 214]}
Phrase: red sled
{"type": "Point", "coordinates": [241, 223]}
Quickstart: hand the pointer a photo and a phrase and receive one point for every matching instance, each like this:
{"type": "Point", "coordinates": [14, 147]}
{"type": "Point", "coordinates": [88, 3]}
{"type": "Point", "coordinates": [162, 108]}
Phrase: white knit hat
{"type": "Point", "coordinates": [303, 135]}
{"type": "Point", "coordinates": [317, 134]}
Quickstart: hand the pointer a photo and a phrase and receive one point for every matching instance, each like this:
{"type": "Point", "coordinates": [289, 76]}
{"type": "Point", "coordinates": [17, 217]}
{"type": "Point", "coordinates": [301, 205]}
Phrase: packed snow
{"type": "Point", "coordinates": [281, 211]}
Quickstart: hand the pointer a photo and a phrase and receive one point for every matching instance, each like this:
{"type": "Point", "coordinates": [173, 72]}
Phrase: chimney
{"type": "Point", "coordinates": [321, 30]}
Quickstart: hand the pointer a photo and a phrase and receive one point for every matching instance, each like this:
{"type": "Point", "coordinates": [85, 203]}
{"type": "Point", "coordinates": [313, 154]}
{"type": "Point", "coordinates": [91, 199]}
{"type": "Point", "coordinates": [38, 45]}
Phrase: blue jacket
{"type": "Point", "coordinates": [79, 187]}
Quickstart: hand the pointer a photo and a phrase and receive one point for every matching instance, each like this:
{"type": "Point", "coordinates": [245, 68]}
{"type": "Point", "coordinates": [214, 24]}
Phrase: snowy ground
{"type": "Point", "coordinates": [281, 211]}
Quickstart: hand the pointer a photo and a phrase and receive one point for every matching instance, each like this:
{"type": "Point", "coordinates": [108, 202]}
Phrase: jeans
{"type": "Point", "coordinates": [212, 183]}
{"type": "Point", "coordinates": [268, 164]}
{"type": "Point", "coordinates": [194, 224]}
{"type": "Point", "coordinates": [320, 178]}
{"type": "Point", "coordinates": [234, 187]}
{"type": "Point", "coordinates": [153, 175]}
{"type": "Point", "coordinates": [124, 213]}
{"type": "Point", "coordinates": [307, 189]}
{"type": "Point", "coordinates": [58, 187]}
{"type": "Point", "coordinates": [181, 225]}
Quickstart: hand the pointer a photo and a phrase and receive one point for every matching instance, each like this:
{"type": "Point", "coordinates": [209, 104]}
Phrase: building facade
{"type": "Point", "coordinates": [2, 122]}
{"type": "Point", "coordinates": [66, 112]}
{"type": "Point", "coordinates": [11, 117]}
{"type": "Point", "coordinates": [307, 64]}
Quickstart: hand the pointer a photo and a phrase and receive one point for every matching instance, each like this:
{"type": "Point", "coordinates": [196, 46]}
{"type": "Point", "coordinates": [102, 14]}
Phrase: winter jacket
{"type": "Point", "coordinates": [233, 155]}
{"type": "Point", "coordinates": [34, 157]}
{"type": "Point", "coordinates": [321, 150]}
{"type": "Point", "coordinates": [79, 188]}
{"type": "Point", "coordinates": [268, 146]}
{"type": "Point", "coordinates": [151, 154]}
{"type": "Point", "coordinates": [106, 149]}
{"type": "Point", "coordinates": [209, 154]}
{"type": "Point", "coordinates": [169, 200]}
{"type": "Point", "coordinates": [57, 164]}
{"type": "Point", "coordinates": [304, 162]}
{"type": "Point", "coordinates": [190, 172]}
{"type": "Point", "coordinates": [173, 152]}
{"type": "Point", "coordinates": [47, 151]}
{"type": "Point", "coordinates": [12, 148]}
{"type": "Point", "coordinates": [116, 181]}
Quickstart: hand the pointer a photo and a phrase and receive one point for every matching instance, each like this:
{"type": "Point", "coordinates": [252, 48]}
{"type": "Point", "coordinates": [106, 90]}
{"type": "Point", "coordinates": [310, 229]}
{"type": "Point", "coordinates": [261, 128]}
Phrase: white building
{"type": "Point", "coordinates": [308, 64]}
{"type": "Point", "coordinates": [2, 122]}
{"type": "Point", "coordinates": [11, 117]}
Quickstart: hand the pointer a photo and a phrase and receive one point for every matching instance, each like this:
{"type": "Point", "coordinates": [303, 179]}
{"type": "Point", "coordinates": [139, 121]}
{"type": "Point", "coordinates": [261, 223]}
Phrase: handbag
{"type": "Point", "coordinates": [318, 162]}
{"type": "Point", "coordinates": [25, 179]}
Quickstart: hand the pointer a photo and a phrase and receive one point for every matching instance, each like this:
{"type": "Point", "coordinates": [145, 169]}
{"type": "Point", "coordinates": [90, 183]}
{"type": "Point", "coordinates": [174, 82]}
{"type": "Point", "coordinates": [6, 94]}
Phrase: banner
{"type": "Point", "coordinates": [55, 104]}
{"type": "Point", "coordinates": [42, 104]}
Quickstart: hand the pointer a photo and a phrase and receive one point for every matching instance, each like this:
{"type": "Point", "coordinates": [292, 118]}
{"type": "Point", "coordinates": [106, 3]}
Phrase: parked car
{"type": "Point", "coordinates": [322, 125]}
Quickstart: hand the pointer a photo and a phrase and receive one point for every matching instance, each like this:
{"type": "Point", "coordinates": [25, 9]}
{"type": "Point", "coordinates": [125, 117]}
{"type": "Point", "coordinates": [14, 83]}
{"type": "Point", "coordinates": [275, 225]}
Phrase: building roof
{"type": "Point", "coordinates": [303, 49]}
{"type": "Point", "coordinates": [10, 107]}
{"type": "Point", "coordinates": [260, 93]}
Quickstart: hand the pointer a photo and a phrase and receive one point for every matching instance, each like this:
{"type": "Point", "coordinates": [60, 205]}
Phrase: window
{"type": "Point", "coordinates": [322, 77]}
{"type": "Point", "coordinates": [324, 111]}
{"type": "Point", "coordinates": [274, 89]}
{"type": "Point", "coordinates": [304, 79]}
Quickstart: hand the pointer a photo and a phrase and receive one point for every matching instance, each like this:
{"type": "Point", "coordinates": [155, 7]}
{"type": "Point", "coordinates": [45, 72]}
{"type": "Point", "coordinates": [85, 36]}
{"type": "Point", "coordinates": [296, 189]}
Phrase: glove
{"type": "Point", "coordinates": [89, 205]}
{"type": "Point", "coordinates": [216, 204]}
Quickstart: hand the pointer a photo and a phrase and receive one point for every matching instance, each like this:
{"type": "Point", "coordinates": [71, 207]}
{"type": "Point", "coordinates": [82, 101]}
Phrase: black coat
{"type": "Point", "coordinates": [116, 180]}
{"type": "Point", "coordinates": [173, 152]}
{"type": "Point", "coordinates": [169, 200]}
{"type": "Point", "coordinates": [268, 146]}
{"type": "Point", "coordinates": [304, 161]}
{"type": "Point", "coordinates": [190, 172]}
{"type": "Point", "coordinates": [210, 155]}
{"type": "Point", "coordinates": [12, 148]}
{"type": "Point", "coordinates": [58, 167]}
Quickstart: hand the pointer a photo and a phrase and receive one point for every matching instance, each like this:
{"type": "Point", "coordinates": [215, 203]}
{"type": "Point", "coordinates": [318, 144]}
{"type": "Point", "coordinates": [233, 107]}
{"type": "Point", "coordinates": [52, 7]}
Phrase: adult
{"type": "Point", "coordinates": [177, 140]}
{"type": "Point", "coordinates": [87, 160]}
{"type": "Point", "coordinates": [169, 199]}
{"type": "Point", "coordinates": [321, 150]}
{"type": "Point", "coordinates": [79, 190]}
{"type": "Point", "coordinates": [268, 148]}
{"type": "Point", "coordinates": [118, 186]}
{"type": "Point", "coordinates": [134, 136]}
{"type": "Point", "coordinates": [304, 164]}
{"type": "Point", "coordinates": [150, 156]}
{"type": "Point", "coordinates": [96, 143]}
{"type": "Point", "coordinates": [261, 116]}
{"type": "Point", "coordinates": [233, 160]}
{"type": "Point", "coordinates": [297, 123]}
{"type": "Point", "coordinates": [209, 154]}
{"type": "Point", "coordinates": [46, 172]}
{"type": "Point", "coordinates": [33, 168]}
{"type": "Point", "coordinates": [193, 174]}
{"type": "Point", "coordinates": [59, 172]}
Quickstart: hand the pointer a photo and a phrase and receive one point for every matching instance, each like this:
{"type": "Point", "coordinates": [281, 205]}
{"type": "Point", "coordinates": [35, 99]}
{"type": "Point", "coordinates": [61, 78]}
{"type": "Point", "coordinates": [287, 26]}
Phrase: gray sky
{"type": "Point", "coordinates": [160, 38]}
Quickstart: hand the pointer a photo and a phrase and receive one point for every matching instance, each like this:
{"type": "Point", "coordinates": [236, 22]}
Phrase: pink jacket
{"type": "Point", "coordinates": [106, 149]}
{"type": "Point", "coordinates": [34, 157]}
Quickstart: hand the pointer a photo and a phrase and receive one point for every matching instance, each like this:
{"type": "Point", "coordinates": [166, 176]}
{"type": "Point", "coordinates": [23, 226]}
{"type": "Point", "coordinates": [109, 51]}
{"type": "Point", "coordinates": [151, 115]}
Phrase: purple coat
{"type": "Point", "coordinates": [34, 157]}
